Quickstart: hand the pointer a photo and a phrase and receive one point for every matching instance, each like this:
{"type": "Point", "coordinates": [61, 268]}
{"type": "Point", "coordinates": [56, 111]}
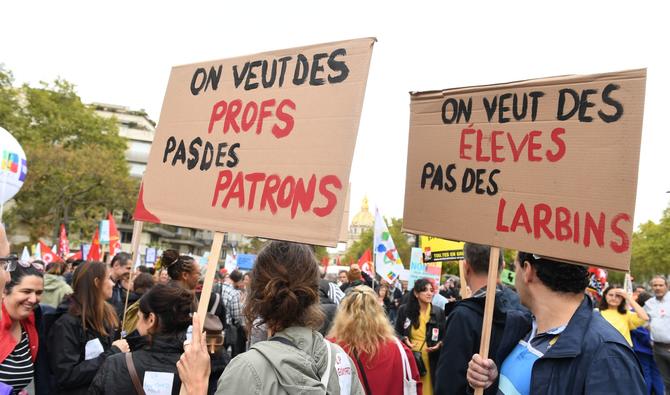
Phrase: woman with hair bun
{"type": "Point", "coordinates": [283, 295]}
{"type": "Point", "coordinates": [163, 318]}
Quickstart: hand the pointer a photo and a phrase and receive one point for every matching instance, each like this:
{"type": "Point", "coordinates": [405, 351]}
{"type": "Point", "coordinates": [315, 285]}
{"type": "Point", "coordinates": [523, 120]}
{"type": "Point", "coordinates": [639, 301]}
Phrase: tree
{"type": "Point", "coordinates": [357, 249]}
{"type": "Point", "coordinates": [76, 166]}
{"type": "Point", "coordinates": [651, 249]}
{"type": "Point", "coordinates": [256, 244]}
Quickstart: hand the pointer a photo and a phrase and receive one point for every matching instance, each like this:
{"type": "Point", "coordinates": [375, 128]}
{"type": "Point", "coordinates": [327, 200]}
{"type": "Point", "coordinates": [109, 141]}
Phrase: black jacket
{"type": "Point", "coordinates": [159, 355]}
{"type": "Point", "coordinates": [67, 344]}
{"type": "Point", "coordinates": [436, 321]}
{"type": "Point", "coordinates": [462, 337]}
{"type": "Point", "coordinates": [328, 307]}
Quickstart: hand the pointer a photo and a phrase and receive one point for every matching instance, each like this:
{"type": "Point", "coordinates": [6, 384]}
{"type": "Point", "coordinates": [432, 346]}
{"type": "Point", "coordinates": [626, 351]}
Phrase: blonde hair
{"type": "Point", "coordinates": [361, 323]}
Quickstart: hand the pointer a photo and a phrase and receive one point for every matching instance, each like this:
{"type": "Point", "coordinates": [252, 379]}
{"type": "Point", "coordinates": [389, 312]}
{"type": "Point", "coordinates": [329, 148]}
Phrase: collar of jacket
{"type": "Point", "coordinates": [172, 343]}
{"type": "Point", "coordinates": [7, 341]}
{"type": "Point", "coordinates": [569, 343]}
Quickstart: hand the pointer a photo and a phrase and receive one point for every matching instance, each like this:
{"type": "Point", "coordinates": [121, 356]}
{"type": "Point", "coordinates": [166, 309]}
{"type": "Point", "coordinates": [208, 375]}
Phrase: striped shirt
{"type": "Point", "coordinates": [17, 369]}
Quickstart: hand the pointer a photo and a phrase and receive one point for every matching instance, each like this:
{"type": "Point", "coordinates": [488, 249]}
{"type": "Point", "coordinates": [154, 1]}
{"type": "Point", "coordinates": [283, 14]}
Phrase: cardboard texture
{"type": "Point", "coordinates": [556, 177]}
{"type": "Point", "coordinates": [261, 144]}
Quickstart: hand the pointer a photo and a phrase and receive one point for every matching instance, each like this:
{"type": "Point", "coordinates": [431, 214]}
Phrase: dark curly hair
{"type": "Point", "coordinates": [172, 307]}
{"type": "Point", "coordinates": [176, 264]}
{"type": "Point", "coordinates": [284, 289]}
{"type": "Point", "coordinates": [557, 276]}
{"type": "Point", "coordinates": [413, 307]}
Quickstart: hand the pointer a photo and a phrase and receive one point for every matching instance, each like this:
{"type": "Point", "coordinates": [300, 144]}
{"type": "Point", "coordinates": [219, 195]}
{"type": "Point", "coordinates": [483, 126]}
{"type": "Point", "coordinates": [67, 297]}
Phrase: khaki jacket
{"type": "Point", "coordinates": [272, 367]}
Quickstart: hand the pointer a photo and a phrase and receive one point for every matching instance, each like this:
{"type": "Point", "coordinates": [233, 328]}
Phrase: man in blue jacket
{"type": "Point", "coordinates": [464, 325]}
{"type": "Point", "coordinates": [570, 348]}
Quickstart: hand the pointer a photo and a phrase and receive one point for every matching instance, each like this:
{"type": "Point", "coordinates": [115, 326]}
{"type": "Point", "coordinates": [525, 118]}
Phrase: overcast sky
{"type": "Point", "coordinates": [121, 52]}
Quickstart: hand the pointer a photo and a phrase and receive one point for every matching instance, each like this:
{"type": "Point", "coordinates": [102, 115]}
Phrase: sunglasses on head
{"type": "Point", "coordinates": [11, 262]}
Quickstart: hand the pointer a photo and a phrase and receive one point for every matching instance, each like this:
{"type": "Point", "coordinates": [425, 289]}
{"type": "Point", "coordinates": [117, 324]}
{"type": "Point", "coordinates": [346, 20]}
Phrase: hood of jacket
{"type": "Point", "coordinates": [299, 371]}
{"type": "Point", "coordinates": [54, 283]}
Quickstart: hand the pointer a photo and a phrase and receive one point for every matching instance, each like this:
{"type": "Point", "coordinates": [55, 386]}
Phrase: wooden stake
{"type": "Point", "coordinates": [488, 307]}
{"type": "Point", "coordinates": [212, 263]}
{"type": "Point", "coordinates": [135, 250]}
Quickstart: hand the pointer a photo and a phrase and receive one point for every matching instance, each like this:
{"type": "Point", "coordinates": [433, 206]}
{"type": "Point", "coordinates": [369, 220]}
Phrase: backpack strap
{"type": "Point", "coordinates": [326, 376]}
{"type": "Point", "coordinates": [283, 340]}
{"type": "Point", "coordinates": [365, 378]}
{"type": "Point", "coordinates": [133, 374]}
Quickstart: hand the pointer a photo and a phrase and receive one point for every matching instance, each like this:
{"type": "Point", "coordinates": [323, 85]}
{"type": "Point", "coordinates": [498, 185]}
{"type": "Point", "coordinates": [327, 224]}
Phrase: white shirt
{"type": "Point", "coordinates": [659, 318]}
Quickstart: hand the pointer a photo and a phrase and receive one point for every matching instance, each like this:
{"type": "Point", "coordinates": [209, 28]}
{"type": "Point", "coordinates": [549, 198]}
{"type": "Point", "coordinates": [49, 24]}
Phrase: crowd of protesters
{"type": "Point", "coordinates": [287, 327]}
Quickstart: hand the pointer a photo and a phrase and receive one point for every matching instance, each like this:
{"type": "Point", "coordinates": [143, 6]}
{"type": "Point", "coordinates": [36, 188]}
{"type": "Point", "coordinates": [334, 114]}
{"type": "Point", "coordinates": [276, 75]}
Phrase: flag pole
{"type": "Point", "coordinates": [135, 249]}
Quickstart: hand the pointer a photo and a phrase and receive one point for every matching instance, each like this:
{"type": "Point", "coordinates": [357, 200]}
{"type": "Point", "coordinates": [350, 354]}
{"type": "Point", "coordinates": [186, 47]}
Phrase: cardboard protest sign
{"type": "Point", "coordinates": [438, 250]}
{"type": "Point", "coordinates": [420, 269]}
{"type": "Point", "coordinates": [260, 145]}
{"type": "Point", "coordinates": [547, 166]}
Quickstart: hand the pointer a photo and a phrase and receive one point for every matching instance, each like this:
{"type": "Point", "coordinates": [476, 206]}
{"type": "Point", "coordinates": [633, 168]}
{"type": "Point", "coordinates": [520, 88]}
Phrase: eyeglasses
{"type": "Point", "coordinates": [11, 262]}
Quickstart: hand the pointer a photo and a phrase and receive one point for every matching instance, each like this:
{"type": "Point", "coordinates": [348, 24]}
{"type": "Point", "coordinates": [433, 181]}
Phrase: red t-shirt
{"type": "Point", "coordinates": [384, 371]}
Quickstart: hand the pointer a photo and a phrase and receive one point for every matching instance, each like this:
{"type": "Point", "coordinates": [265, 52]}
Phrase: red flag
{"type": "Point", "coordinates": [48, 256]}
{"type": "Point", "coordinates": [365, 262]}
{"type": "Point", "coordinates": [63, 243]}
{"type": "Point", "coordinates": [94, 253]}
{"type": "Point", "coordinates": [324, 263]}
{"type": "Point", "coordinates": [114, 239]}
{"type": "Point", "coordinates": [75, 256]}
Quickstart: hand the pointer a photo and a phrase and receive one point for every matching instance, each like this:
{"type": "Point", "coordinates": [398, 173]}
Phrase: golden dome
{"type": "Point", "coordinates": [363, 218]}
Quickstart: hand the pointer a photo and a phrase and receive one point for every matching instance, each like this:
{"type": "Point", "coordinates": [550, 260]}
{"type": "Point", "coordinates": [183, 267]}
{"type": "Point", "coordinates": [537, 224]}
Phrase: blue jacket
{"type": "Point", "coordinates": [462, 337]}
{"type": "Point", "coordinates": [590, 357]}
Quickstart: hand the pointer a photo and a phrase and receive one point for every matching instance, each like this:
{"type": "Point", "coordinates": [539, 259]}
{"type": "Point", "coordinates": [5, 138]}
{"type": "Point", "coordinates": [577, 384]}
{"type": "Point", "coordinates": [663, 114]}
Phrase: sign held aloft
{"type": "Point", "coordinates": [260, 144]}
{"type": "Point", "coordinates": [547, 165]}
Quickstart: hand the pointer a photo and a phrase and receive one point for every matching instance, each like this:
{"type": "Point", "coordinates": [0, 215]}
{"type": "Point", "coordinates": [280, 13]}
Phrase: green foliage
{"type": "Point", "coordinates": [253, 246]}
{"type": "Point", "coordinates": [650, 250]}
{"type": "Point", "coordinates": [357, 249]}
{"type": "Point", "coordinates": [320, 252]}
{"type": "Point", "coordinates": [399, 239]}
{"type": "Point", "coordinates": [76, 166]}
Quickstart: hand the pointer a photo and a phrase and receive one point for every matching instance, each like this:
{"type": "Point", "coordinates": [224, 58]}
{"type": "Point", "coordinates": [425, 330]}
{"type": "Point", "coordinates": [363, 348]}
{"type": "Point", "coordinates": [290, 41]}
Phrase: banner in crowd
{"type": "Point", "coordinates": [262, 144]}
{"type": "Point", "coordinates": [245, 261]}
{"type": "Point", "coordinates": [114, 236]}
{"type": "Point", "coordinates": [47, 255]}
{"type": "Point", "coordinates": [63, 242]}
{"type": "Point", "coordinates": [438, 250]}
{"type": "Point", "coordinates": [366, 264]}
{"type": "Point", "coordinates": [507, 277]}
{"type": "Point", "coordinates": [420, 269]}
{"type": "Point", "coordinates": [547, 166]}
{"type": "Point", "coordinates": [387, 260]}
{"type": "Point", "coordinates": [150, 255]}
{"type": "Point", "coordinates": [104, 231]}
